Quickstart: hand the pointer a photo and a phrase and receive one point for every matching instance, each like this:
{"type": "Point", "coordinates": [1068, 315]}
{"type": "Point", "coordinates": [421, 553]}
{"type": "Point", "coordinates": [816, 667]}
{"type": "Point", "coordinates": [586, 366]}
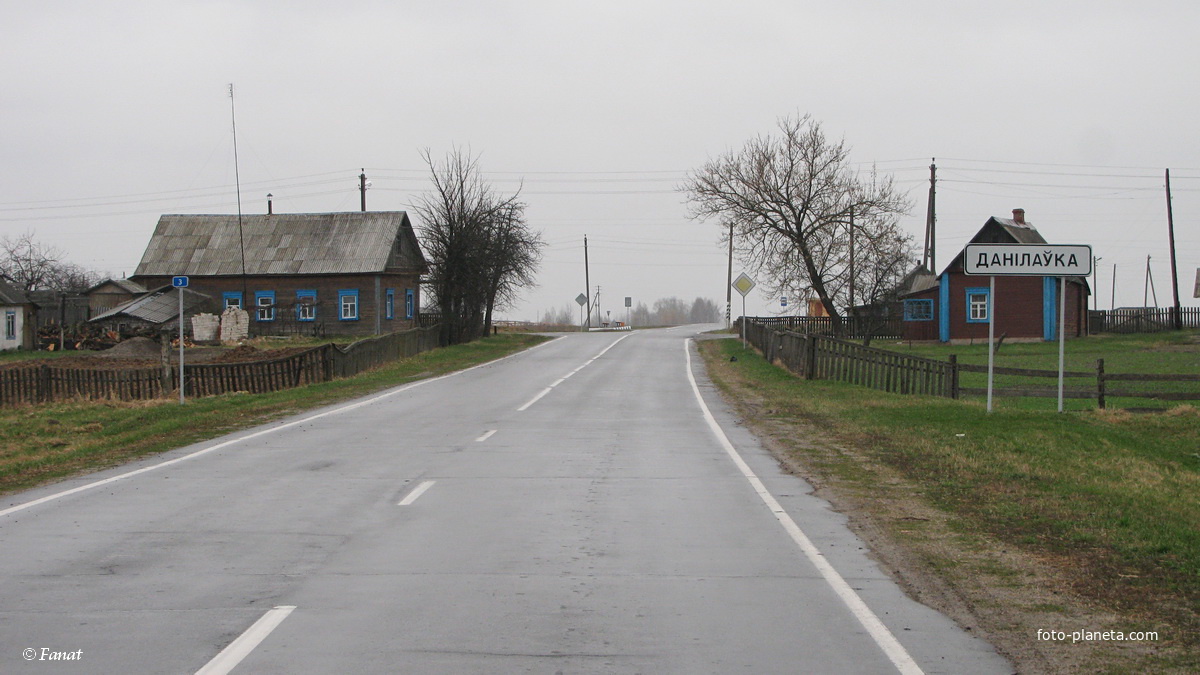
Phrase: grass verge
{"type": "Point", "coordinates": [1030, 520]}
{"type": "Point", "coordinates": [48, 442]}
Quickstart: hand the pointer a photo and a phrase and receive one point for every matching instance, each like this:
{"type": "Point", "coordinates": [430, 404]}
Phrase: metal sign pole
{"type": "Point", "coordinates": [1062, 335]}
{"type": "Point", "coordinates": [180, 291]}
{"type": "Point", "coordinates": [743, 322]}
{"type": "Point", "coordinates": [991, 338]}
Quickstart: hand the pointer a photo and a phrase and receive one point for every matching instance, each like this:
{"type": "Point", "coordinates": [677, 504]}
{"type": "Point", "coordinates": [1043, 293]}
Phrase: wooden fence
{"type": "Point", "coordinates": [852, 328]}
{"type": "Point", "coordinates": [1142, 320]}
{"type": "Point", "coordinates": [825, 358]}
{"type": "Point", "coordinates": [43, 382]}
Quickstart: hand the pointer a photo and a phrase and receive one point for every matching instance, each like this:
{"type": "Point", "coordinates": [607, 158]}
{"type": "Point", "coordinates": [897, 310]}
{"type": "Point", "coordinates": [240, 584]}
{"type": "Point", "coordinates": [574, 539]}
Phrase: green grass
{"type": "Point", "coordinates": [1116, 494]}
{"type": "Point", "coordinates": [48, 442]}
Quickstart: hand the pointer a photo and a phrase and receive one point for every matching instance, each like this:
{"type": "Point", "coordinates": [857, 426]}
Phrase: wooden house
{"type": "Point", "coordinates": [955, 307]}
{"type": "Point", "coordinates": [17, 311]}
{"type": "Point", "coordinates": [352, 273]}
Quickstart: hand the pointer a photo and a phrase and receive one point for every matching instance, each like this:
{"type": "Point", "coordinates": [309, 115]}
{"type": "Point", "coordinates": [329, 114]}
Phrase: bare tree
{"type": "Point", "coordinates": [479, 247]}
{"type": "Point", "coordinates": [35, 266]}
{"type": "Point", "coordinates": [792, 198]}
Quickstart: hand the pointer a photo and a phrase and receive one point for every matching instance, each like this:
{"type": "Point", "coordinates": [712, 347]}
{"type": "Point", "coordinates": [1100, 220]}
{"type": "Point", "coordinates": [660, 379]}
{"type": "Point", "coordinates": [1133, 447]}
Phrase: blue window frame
{"type": "Point", "coordinates": [348, 304]}
{"type": "Point", "coordinates": [231, 299]}
{"type": "Point", "coordinates": [979, 305]}
{"type": "Point", "coordinates": [408, 303]}
{"type": "Point", "coordinates": [390, 307]}
{"type": "Point", "coordinates": [918, 310]}
{"type": "Point", "coordinates": [306, 305]}
{"type": "Point", "coordinates": [10, 324]}
{"type": "Point", "coordinates": [264, 306]}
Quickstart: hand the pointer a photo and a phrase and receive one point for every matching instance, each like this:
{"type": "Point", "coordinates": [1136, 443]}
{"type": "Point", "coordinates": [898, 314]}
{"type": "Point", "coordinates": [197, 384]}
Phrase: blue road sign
{"type": "Point", "coordinates": [179, 282]}
{"type": "Point", "coordinates": [783, 302]}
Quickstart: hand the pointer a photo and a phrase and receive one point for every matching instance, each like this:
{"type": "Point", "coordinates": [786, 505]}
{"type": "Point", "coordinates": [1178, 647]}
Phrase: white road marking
{"type": "Point", "coordinates": [240, 648]}
{"type": "Point", "coordinates": [417, 492]}
{"type": "Point", "coordinates": [486, 436]}
{"type": "Point", "coordinates": [335, 411]}
{"type": "Point", "coordinates": [562, 379]}
{"type": "Point", "coordinates": [879, 632]}
{"type": "Point", "coordinates": [535, 399]}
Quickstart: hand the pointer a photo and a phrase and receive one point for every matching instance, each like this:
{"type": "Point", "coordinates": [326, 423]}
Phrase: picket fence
{"type": "Point", "coordinates": [825, 358]}
{"type": "Point", "coordinates": [44, 383]}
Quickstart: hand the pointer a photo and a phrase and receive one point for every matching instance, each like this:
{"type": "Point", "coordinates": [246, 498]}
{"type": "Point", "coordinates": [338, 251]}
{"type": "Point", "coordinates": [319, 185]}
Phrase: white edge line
{"type": "Point", "coordinates": [486, 435]}
{"type": "Point", "coordinates": [240, 648]}
{"type": "Point", "coordinates": [879, 632]}
{"type": "Point", "coordinates": [335, 411]}
{"type": "Point", "coordinates": [417, 492]}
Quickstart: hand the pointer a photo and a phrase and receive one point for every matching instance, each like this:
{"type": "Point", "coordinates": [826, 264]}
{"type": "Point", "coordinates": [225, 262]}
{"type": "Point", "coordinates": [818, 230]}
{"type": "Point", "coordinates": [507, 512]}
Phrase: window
{"type": "Point", "coordinates": [265, 303]}
{"type": "Point", "coordinates": [10, 325]}
{"type": "Point", "coordinates": [390, 308]}
{"type": "Point", "coordinates": [306, 305]}
{"type": "Point", "coordinates": [408, 303]}
{"type": "Point", "coordinates": [978, 305]}
{"type": "Point", "coordinates": [348, 302]}
{"type": "Point", "coordinates": [918, 310]}
{"type": "Point", "coordinates": [232, 299]}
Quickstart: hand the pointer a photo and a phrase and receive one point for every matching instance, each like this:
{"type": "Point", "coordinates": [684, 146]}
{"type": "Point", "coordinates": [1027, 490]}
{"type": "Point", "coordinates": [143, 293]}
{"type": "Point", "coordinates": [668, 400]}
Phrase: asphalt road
{"type": "Point", "coordinates": [500, 520]}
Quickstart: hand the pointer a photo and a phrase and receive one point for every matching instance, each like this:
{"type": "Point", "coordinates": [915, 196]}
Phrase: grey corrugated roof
{"type": "Point", "coordinates": [295, 243]}
{"type": "Point", "coordinates": [11, 295]}
{"type": "Point", "coordinates": [123, 284]}
{"type": "Point", "coordinates": [158, 306]}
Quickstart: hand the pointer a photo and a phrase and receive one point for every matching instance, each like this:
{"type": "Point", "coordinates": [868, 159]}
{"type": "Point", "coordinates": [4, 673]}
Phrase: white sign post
{"type": "Point", "coordinates": [581, 299]}
{"type": "Point", "coordinates": [1028, 260]}
{"type": "Point", "coordinates": [743, 284]}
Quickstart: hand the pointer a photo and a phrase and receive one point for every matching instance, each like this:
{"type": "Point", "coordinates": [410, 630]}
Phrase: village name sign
{"type": "Point", "coordinates": [1033, 260]}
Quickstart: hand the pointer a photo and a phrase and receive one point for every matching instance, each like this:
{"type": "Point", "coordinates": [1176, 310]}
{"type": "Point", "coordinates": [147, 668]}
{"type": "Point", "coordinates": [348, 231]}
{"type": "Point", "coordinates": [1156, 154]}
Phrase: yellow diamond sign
{"type": "Point", "coordinates": [743, 284]}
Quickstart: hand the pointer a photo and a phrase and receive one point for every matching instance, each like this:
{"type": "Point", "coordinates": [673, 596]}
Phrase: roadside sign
{"type": "Point", "coordinates": [581, 299]}
{"type": "Point", "coordinates": [1028, 260]}
{"type": "Point", "coordinates": [628, 301]}
{"type": "Point", "coordinates": [743, 284]}
{"type": "Point", "coordinates": [783, 301]}
{"type": "Point", "coordinates": [179, 282]}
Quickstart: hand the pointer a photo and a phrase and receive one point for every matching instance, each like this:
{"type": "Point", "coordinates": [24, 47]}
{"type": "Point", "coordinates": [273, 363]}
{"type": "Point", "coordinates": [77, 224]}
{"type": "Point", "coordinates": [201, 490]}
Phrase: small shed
{"type": "Point", "coordinates": [153, 312]}
{"type": "Point", "coordinates": [112, 293]}
{"type": "Point", "coordinates": [955, 307]}
{"type": "Point", "coordinates": [17, 311]}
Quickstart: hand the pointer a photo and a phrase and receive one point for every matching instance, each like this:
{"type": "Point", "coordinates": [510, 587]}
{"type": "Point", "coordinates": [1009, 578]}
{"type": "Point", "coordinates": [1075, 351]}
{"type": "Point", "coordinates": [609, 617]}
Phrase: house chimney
{"type": "Point", "coordinates": [1019, 216]}
{"type": "Point", "coordinates": [269, 208]}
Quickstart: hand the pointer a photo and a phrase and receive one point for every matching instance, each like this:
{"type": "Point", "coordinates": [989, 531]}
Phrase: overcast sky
{"type": "Point", "coordinates": [114, 113]}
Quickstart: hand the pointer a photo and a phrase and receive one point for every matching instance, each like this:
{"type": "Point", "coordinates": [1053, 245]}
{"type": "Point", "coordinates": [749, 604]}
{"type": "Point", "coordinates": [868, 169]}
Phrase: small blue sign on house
{"type": "Point", "coordinates": [179, 282]}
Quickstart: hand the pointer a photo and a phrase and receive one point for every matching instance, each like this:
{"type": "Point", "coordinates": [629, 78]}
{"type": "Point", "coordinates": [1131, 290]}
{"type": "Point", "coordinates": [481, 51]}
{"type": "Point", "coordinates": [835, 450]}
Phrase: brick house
{"type": "Point", "coordinates": [955, 307]}
{"type": "Point", "coordinates": [354, 273]}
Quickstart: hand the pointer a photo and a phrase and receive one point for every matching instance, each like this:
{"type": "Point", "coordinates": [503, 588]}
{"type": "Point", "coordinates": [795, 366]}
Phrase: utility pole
{"type": "Point", "coordinates": [851, 309]}
{"type": "Point", "coordinates": [931, 221]}
{"type": "Point", "coordinates": [237, 178]}
{"type": "Point", "coordinates": [729, 282]}
{"type": "Point", "coordinates": [1176, 313]}
{"type": "Point", "coordinates": [587, 283]}
{"type": "Point", "coordinates": [362, 189]}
